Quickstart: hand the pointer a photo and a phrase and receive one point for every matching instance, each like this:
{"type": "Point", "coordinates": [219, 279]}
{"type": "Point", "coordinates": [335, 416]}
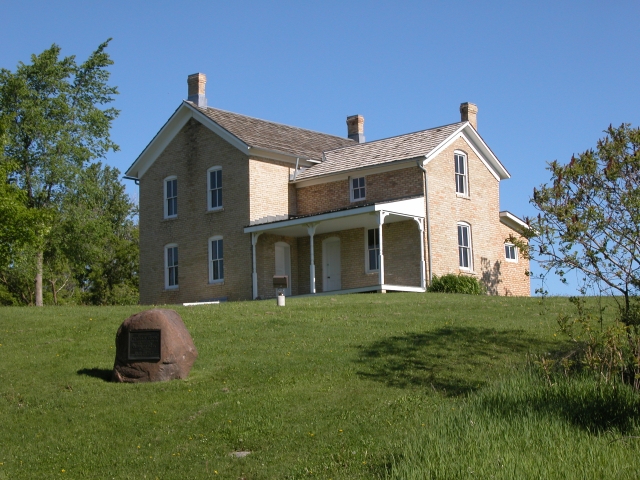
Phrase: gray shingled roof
{"type": "Point", "coordinates": [379, 152]}
{"type": "Point", "coordinates": [275, 136]}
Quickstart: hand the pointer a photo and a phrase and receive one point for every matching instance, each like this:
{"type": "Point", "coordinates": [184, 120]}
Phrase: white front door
{"type": "Point", "coordinates": [331, 264]}
{"type": "Point", "coordinates": [283, 263]}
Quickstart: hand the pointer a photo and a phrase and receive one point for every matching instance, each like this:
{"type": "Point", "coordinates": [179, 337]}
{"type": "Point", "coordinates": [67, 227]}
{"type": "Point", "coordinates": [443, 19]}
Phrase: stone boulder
{"type": "Point", "coordinates": [153, 346]}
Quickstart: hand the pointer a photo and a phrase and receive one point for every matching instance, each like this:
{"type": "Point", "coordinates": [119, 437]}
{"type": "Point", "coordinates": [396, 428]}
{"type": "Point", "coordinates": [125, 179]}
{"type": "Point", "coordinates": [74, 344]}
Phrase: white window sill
{"type": "Point", "coordinates": [510, 260]}
{"type": "Point", "coordinates": [372, 272]}
{"type": "Point", "coordinates": [171, 289]}
{"type": "Point", "coordinates": [217, 282]}
{"type": "Point", "coordinates": [171, 218]}
{"type": "Point", "coordinates": [213, 210]}
{"type": "Point", "coordinates": [467, 271]}
{"type": "Point", "coordinates": [463, 196]}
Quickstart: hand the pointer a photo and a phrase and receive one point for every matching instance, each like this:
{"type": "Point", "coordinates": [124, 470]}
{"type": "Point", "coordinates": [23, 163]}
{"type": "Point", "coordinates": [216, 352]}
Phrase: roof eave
{"type": "Point", "coordinates": [513, 222]}
{"type": "Point", "coordinates": [478, 145]}
{"type": "Point", "coordinates": [357, 169]}
{"type": "Point", "coordinates": [170, 129]}
{"type": "Point", "coordinates": [497, 165]}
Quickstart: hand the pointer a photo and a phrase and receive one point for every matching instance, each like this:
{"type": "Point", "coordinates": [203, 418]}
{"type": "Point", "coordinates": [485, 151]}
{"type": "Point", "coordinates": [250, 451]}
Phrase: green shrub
{"type": "Point", "coordinates": [451, 283]}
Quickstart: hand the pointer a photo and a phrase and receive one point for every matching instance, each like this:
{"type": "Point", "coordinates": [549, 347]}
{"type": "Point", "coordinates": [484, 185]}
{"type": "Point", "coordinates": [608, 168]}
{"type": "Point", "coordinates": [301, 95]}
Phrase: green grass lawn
{"type": "Point", "coordinates": [360, 386]}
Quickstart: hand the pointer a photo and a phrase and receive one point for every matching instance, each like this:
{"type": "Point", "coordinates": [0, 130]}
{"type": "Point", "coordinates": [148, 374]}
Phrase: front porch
{"type": "Point", "coordinates": [375, 247]}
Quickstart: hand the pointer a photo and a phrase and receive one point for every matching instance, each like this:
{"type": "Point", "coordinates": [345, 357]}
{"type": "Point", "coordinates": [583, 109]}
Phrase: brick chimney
{"type": "Point", "coordinates": [355, 128]}
{"type": "Point", "coordinates": [469, 113]}
{"type": "Point", "coordinates": [196, 84]}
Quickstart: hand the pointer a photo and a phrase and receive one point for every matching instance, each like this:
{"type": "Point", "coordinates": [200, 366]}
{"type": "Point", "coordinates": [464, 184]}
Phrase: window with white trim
{"type": "Point", "coordinates": [216, 262]}
{"type": "Point", "coordinates": [214, 188]}
{"type": "Point", "coordinates": [510, 252]}
{"type": "Point", "coordinates": [465, 258]}
{"type": "Point", "coordinates": [171, 197]}
{"type": "Point", "coordinates": [171, 266]}
{"type": "Point", "coordinates": [358, 189]}
{"type": "Point", "coordinates": [462, 180]}
{"type": "Point", "coordinates": [373, 250]}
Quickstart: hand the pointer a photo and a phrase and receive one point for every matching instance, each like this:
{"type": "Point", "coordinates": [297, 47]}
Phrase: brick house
{"type": "Point", "coordinates": [228, 201]}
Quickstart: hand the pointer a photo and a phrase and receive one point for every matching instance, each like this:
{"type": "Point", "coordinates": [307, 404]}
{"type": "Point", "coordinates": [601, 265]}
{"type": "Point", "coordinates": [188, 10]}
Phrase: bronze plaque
{"type": "Point", "coordinates": [144, 345]}
{"type": "Point", "coordinates": [280, 281]}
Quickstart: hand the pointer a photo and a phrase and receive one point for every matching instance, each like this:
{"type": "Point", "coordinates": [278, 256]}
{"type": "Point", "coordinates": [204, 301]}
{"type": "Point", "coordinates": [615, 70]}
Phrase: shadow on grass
{"type": "Point", "coordinates": [101, 373]}
{"type": "Point", "coordinates": [582, 402]}
{"type": "Point", "coordinates": [453, 361]}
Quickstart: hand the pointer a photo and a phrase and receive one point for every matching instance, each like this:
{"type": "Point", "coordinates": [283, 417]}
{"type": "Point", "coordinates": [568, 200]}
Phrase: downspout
{"type": "Point", "coordinates": [295, 172]}
{"type": "Point", "coordinates": [426, 196]}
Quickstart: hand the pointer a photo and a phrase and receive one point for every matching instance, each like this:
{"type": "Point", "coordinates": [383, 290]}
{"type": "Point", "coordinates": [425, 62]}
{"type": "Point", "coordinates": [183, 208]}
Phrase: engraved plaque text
{"type": "Point", "coordinates": [144, 345]}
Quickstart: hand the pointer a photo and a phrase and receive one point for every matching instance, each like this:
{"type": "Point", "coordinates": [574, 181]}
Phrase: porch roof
{"type": "Point", "coordinates": [352, 217]}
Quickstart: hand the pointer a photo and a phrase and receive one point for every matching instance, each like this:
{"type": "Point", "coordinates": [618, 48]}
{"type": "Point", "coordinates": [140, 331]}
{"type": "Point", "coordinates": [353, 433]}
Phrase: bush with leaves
{"type": "Point", "coordinates": [610, 351]}
{"type": "Point", "coordinates": [451, 283]}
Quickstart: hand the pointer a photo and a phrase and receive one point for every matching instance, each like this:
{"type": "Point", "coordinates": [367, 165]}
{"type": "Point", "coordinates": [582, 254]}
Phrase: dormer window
{"type": "Point", "coordinates": [462, 183]}
{"type": "Point", "coordinates": [358, 189]}
{"type": "Point", "coordinates": [171, 197]}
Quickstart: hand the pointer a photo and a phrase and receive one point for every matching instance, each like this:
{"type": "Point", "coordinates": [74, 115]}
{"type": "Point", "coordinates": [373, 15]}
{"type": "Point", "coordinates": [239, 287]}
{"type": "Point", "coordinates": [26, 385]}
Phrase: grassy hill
{"type": "Point", "coordinates": [360, 386]}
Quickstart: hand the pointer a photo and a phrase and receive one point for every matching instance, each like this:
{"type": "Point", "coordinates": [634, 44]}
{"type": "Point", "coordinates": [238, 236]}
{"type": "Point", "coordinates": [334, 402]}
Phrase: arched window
{"type": "Point", "coordinates": [462, 175]}
{"type": "Point", "coordinates": [465, 252]}
{"type": "Point", "coordinates": [216, 260]}
{"type": "Point", "coordinates": [171, 197]}
{"type": "Point", "coordinates": [171, 266]}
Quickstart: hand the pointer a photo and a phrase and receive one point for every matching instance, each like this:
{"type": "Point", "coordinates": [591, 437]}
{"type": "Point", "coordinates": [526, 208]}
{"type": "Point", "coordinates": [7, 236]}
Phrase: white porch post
{"type": "Point", "coordinates": [420, 222]}
{"type": "Point", "coordinates": [254, 241]}
{"type": "Point", "coordinates": [311, 229]}
{"type": "Point", "coordinates": [381, 216]}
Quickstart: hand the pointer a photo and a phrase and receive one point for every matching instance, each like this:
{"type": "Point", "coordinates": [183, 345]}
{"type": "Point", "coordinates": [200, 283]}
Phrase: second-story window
{"type": "Point", "coordinates": [357, 189]}
{"type": "Point", "coordinates": [462, 184]}
{"type": "Point", "coordinates": [214, 188]}
{"type": "Point", "coordinates": [170, 197]}
{"type": "Point", "coordinates": [510, 252]}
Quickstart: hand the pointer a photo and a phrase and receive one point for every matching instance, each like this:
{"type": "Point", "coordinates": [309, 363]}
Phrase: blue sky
{"type": "Point", "coordinates": [548, 77]}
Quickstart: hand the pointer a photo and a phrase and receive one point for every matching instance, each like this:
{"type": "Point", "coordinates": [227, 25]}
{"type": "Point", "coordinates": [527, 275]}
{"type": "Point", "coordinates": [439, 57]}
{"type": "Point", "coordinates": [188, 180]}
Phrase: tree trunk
{"type": "Point", "coordinates": [39, 262]}
{"type": "Point", "coordinates": [54, 291]}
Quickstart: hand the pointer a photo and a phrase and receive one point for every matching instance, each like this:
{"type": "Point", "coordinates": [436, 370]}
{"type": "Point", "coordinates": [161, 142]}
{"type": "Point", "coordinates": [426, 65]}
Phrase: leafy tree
{"type": "Point", "coordinates": [589, 222]}
{"type": "Point", "coordinates": [52, 127]}
{"type": "Point", "coordinates": [99, 239]}
{"type": "Point", "coordinates": [91, 252]}
{"type": "Point", "coordinates": [589, 217]}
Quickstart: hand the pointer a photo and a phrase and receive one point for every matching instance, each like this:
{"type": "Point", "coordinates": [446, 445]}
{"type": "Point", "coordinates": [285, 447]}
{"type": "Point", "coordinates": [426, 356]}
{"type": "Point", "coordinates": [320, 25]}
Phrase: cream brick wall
{"type": "Point", "coordinates": [266, 264]}
{"type": "Point", "coordinates": [480, 210]}
{"type": "Point", "coordinates": [256, 187]}
{"type": "Point", "coordinates": [379, 187]}
{"type": "Point", "coordinates": [271, 192]}
{"type": "Point", "coordinates": [512, 275]}
{"type": "Point", "coordinates": [194, 150]}
{"type": "Point", "coordinates": [401, 246]}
